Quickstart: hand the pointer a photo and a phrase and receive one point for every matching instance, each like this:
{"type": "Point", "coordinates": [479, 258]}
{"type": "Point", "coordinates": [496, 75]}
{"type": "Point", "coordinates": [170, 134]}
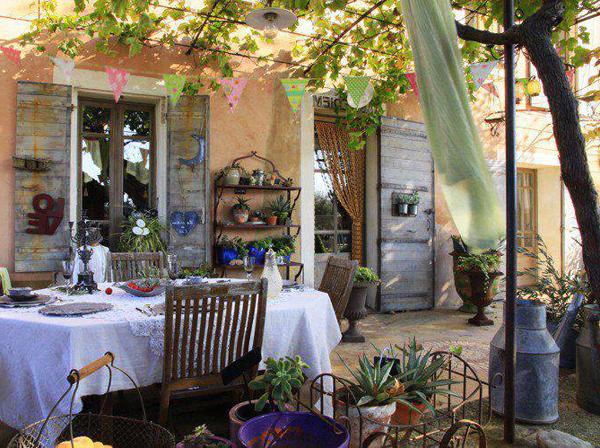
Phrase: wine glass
{"type": "Point", "coordinates": [248, 266]}
{"type": "Point", "coordinates": [67, 270]}
{"type": "Point", "coordinates": [173, 266]}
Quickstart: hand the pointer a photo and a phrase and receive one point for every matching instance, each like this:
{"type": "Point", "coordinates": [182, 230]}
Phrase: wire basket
{"type": "Point", "coordinates": [117, 432]}
{"type": "Point", "coordinates": [458, 421]}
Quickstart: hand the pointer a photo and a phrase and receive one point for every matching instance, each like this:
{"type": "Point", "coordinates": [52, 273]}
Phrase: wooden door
{"type": "Point", "coordinates": [405, 242]}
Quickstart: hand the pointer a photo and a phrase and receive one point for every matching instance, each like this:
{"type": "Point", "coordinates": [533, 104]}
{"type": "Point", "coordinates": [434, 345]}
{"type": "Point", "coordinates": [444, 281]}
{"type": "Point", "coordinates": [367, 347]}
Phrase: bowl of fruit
{"type": "Point", "coordinates": [146, 287]}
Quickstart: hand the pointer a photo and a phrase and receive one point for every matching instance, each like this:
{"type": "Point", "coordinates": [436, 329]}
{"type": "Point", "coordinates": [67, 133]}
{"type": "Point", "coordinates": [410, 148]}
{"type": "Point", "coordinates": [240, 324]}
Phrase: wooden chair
{"type": "Point", "coordinates": [128, 266]}
{"type": "Point", "coordinates": [207, 327]}
{"type": "Point", "coordinates": [337, 282]}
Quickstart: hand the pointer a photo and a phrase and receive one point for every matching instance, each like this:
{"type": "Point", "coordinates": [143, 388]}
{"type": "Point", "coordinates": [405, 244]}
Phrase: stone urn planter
{"type": "Point", "coordinates": [588, 361]}
{"type": "Point", "coordinates": [482, 295]}
{"type": "Point", "coordinates": [356, 311]}
{"type": "Point", "coordinates": [463, 285]}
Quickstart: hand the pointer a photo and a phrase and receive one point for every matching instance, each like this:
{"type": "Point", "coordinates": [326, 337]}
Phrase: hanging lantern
{"type": "Point", "coordinates": [520, 90]}
{"type": "Point", "coordinates": [534, 87]}
{"type": "Point", "coordinates": [270, 20]}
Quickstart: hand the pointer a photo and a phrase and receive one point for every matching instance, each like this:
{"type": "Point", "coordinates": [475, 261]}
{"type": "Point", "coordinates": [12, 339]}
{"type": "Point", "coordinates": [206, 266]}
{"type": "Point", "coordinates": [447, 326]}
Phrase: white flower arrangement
{"type": "Point", "coordinates": [140, 228]}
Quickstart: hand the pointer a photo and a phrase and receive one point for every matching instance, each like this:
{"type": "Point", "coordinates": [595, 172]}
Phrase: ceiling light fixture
{"type": "Point", "coordinates": [270, 20]}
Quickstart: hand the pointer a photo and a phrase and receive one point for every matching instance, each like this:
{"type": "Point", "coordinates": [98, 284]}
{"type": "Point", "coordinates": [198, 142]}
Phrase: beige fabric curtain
{"type": "Point", "coordinates": [346, 170]}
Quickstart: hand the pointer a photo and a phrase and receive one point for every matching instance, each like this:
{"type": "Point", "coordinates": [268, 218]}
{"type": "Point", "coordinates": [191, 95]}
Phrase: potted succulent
{"type": "Point", "coordinates": [259, 176]}
{"type": "Point", "coordinates": [227, 249]}
{"type": "Point", "coordinates": [413, 203]}
{"type": "Point", "coordinates": [418, 372]}
{"type": "Point", "coordinates": [282, 379]}
{"type": "Point", "coordinates": [403, 201]}
{"type": "Point", "coordinates": [374, 390]}
{"type": "Point", "coordinates": [257, 216]}
{"type": "Point", "coordinates": [282, 209]}
{"type": "Point", "coordinates": [562, 293]}
{"type": "Point", "coordinates": [364, 279]}
{"type": "Point", "coordinates": [240, 210]}
{"type": "Point", "coordinates": [272, 220]}
{"type": "Point", "coordinates": [203, 438]}
{"type": "Point", "coordinates": [244, 177]}
{"type": "Point", "coordinates": [230, 175]}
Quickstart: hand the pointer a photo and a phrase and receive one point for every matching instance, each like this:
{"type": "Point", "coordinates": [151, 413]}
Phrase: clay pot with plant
{"type": "Point", "coordinates": [240, 210]}
{"type": "Point", "coordinates": [230, 175]}
{"type": "Point", "coordinates": [280, 384]}
{"type": "Point", "coordinates": [282, 209]}
{"type": "Point", "coordinates": [364, 279]}
{"type": "Point", "coordinates": [257, 216]}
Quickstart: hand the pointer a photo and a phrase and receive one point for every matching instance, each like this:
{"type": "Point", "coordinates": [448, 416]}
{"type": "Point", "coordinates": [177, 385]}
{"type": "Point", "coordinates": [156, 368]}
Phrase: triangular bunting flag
{"type": "Point", "coordinates": [233, 88]}
{"type": "Point", "coordinates": [117, 78]}
{"type": "Point", "coordinates": [491, 87]}
{"type": "Point", "coordinates": [294, 90]}
{"type": "Point", "coordinates": [571, 77]}
{"type": "Point", "coordinates": [66, 66]}
{"type": "Point", "coordinates": [12, 54]}
{"type": "Point", "coordinates": [481, 71]}
{"type": "Point", "coordinates": [174, 84]}
{"type": "Point", "coordinates": [412, 79]}
{"type": "Point", "coordinates": [357, 86]}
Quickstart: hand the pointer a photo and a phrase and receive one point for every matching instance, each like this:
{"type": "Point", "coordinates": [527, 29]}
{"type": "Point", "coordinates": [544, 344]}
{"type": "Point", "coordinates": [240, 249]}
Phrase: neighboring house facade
{"type": "Point", "coordinates": [107, 157]}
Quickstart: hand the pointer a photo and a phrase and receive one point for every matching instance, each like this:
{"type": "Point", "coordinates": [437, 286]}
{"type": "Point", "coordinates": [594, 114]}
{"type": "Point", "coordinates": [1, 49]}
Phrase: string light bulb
{"type": "Point", "coordinates": [270, 20]}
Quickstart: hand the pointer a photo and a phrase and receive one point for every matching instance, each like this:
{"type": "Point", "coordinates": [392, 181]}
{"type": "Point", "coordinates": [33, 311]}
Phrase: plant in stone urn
{"type": "Point", "coordinates": [364, 278]}
{"type": "Point", "coordinates": [482, 271]}
{"type": "Point", "coordinates": [241, 210]}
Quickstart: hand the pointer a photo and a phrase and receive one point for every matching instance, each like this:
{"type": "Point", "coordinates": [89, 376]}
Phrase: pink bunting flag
{"type": "Point", "coordinates": [481, 71]}
{"type": "Point", "coordinates": [67, 66]}
{"type": "Point", "coordinates": [12, 54]}
{"type": "Point", "coordinates": [117, 79]}
{"type": "Point", "coordinates": [491, 87]}
{"type": "Point", "coordinates": [412, 79]}
{"type": "Point", "coordinates": [571, 77]}
{"type": "Point", "coordinates": [233, 88]}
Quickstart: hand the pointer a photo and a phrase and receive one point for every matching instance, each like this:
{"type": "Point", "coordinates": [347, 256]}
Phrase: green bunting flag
{"type": "Point", "coordinates": [174, 85]}
{"type": "Point", "coordinates": [294, 90]}
{"type": "Point", "coordinates": [357, 86]}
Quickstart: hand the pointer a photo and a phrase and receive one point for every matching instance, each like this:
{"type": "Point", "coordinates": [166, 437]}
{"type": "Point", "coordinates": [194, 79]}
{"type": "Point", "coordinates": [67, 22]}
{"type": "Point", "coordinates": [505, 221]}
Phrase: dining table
{"type": "Point", "coordinates": [38, 351]}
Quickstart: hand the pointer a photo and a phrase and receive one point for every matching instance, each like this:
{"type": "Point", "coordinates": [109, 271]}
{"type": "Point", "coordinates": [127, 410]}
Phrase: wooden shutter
{"type": "Point", "coordinates": [43, 131]}
{"type": "Point", "coordinates": [187, 186]}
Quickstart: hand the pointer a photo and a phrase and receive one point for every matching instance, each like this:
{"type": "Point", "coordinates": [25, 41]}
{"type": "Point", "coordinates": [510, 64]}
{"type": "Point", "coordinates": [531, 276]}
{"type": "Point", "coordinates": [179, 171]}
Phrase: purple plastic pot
{"type": "Point", "coordinates": [258, 254]}
{"type": "Point", "coordinates": [226, 255]}
{"type": "Point", "coordinates": [293, 430]}
{"type": "Point", "coordinates": [213, 439]}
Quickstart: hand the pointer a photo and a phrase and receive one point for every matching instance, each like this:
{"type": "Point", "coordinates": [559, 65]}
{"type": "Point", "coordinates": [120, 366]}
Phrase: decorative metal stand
{"type": "Point", "coordinates": [81, 239]}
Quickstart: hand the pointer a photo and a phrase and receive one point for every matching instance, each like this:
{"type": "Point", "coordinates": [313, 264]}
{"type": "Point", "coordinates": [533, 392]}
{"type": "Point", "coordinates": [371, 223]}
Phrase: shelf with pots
{"type": "Point", "coordinates": [277, 214]}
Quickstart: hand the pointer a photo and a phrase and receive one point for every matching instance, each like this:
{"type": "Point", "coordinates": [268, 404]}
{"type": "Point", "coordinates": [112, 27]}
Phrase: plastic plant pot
{"type": "Point", "coordinates": [258, 254]}
{"type": "Point", "coordinates": [226, 255]}
{"type": "Point", "coordinates": [293, 430]}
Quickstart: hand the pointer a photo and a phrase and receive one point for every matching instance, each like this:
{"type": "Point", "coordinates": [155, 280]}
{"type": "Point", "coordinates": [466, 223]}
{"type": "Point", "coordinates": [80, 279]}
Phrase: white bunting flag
{"type": "Point", "coordinates": [66, 66]}
{"type": "Point", "coordinates": [481, 71]}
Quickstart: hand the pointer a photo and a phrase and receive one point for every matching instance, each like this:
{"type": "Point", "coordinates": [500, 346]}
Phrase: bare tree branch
{"type": "Point", "coordinates": [467, 32]}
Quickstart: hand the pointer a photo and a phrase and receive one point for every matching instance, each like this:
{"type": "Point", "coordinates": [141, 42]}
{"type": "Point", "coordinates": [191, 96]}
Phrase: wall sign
{"type": "Point", "coordinates": [199, 157]}
{"type": "Point", "coordinates": [184, 222]}
{"type": "Point", "coordinates": [47, 216]}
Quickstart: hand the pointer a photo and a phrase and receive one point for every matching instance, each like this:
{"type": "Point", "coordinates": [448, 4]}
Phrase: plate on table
{"type": "Point", "coordinates": [136, 292]}
{"type": "Point", "coordinates": [37, 300]}
{"type": "Point", "coordinates": [75, 309]}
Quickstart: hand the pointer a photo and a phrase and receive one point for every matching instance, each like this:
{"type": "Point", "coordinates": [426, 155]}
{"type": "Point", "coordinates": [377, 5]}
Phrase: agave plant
{"type": "Point", "coordinates": [374, 384]}
{"type": "Point", "coordinates": [418, 371]}
{"type": "Point", "coordinates": [279, 381]}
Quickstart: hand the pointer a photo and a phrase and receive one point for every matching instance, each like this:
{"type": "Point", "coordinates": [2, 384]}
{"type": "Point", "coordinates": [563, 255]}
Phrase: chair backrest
{"type": "Point", "coordinates": [129, 265]}
{"type": "Point", "coordinates": [209, 326]}
{"type": "Point", "coordinates": [337, 282]}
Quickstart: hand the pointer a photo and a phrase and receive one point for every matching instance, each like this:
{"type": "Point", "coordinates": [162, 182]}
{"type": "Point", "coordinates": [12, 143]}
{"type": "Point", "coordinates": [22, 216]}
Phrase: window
{"type": "Point", "coordinates": [526, 208]}
{"type": "Point", "coordinates": [117, 163]}
{"type": "Point", "coordinates": [332, 224]}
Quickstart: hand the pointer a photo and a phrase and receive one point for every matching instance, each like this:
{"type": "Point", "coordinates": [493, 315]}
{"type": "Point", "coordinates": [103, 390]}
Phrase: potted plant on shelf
{"type": "Point", "coordinates": [203, 438]}
{"type": "Point", "coordinates": [258, 249]}
{"type": "Point", "coordinates": [282, 379]}
{"type": "Point", "coordinates": [257, 216]}
{"type": "Point", "coordinates": [240, 210]}
{"type": "Point", "coordinates": [244, 176]}
{"type": "Point", "coordinates": [413, 203]}
{"type": "Point", "coordinates": [227, 249]}
{"type": "Point", "coordinates": [284, 246]}
{"type": "Point", "coordinates": [374, 390]}
{"type": "Point", "coordinates": [272, 220]}
{"type": "Point", "coordinates": [282, 209]}
{"type": "Point", "coordinates": [563, 293]}
{"type": "Point", "coordinates": [259, 176]}
{"type": "Point", "coordinates": [364, 279]}
{"type": "Point", "coordinates": [403, 201]}
{"type": "Point", "coordinates": [230, 175]}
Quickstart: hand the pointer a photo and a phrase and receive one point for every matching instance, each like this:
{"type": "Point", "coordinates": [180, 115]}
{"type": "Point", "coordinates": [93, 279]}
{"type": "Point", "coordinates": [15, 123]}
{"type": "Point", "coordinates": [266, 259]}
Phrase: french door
{"type": "Point", "coordinates": [117, 163]}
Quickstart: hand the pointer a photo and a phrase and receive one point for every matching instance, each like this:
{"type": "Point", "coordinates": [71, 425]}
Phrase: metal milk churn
{"type": "Point", "coordinates": [588, 361]}
{"type": "Point", "coordinates": [536, 378]}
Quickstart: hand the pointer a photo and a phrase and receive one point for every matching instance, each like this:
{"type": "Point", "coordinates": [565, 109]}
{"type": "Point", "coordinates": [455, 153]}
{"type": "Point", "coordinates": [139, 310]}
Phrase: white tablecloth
{"type": "Point", "coordinates": [37, 352]}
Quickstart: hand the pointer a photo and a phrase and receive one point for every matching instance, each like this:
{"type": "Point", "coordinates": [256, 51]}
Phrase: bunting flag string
{"type": "Point", "coordinates": [117, 78]}
{"type": "Point", "coordinates": [233, 88]}
{"type": "Point", "coordinates": [481, 71]}
{"type": "Point", "coordinates": [571, 77]}
{"type": "Point", "coordinates": [360, 90]}
{"type": "Point", "coordinates": [11, 54]}
{"type": "Point", "coordinates": [66, 66]}
{"type": "Point", "coordinates": [412, 79]}
{"type": "Point", "coordinates": [294, 90]}
{"type": "Point", "coordinates": [491, 87]}
{"type": "Point", "coordinates": [174, 84]}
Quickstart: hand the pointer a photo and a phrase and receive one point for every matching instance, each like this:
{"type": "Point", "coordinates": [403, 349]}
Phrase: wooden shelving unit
{"type": "Point", "coordinates": [292, 193]}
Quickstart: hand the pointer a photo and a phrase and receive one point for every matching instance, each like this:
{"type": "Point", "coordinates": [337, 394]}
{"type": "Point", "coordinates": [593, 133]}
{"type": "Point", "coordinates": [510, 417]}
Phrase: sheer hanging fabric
{"type": "Point", "coordinates": [346, 170]}
{"type": "Point", "coordinates": [457, 149]}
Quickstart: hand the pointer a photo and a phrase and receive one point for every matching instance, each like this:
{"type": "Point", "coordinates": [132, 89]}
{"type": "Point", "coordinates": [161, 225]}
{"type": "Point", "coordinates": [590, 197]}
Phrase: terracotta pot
{"type": "Point", "coordinates": [405, 416]}
{"type": "Point", "coordinates": [272, 220]}
{"type": "Point", "coordinates": [374, 419]}
{"type": "Point", "coordinates": [254, 219]}
{"type": "Point", "coordinates": [240, 216]}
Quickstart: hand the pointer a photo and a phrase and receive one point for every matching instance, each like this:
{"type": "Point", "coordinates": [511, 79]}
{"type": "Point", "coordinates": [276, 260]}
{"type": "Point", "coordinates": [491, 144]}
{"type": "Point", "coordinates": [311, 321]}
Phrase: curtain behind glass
{"type": "Point", "coordinates": [457, 150]}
